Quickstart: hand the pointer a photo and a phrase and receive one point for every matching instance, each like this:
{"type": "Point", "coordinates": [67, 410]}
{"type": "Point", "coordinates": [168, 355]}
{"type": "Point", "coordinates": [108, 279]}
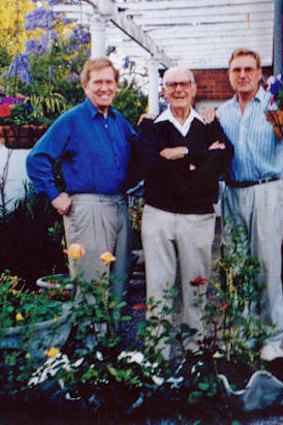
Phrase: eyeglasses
{"type": "Point", "coordinates": [247, 70]}
{"type": "Point", "coordinates": [184, 85]}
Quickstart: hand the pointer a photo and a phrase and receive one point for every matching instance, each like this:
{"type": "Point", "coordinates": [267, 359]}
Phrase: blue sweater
{"type": "Point", "coordinates": [94, 153]}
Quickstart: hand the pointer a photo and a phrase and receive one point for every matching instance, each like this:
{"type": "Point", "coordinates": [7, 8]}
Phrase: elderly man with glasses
{"type": "Point", "coordinates": [182, 160]}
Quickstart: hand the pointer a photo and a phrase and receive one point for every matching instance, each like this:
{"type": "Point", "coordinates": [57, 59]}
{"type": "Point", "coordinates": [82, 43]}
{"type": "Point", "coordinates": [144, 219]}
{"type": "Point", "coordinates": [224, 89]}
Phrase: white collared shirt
{"type": "Point", "coordinates": [167, 115]}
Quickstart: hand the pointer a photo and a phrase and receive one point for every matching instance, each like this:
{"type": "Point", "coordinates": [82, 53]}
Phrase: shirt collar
{"type": "Point", "coordinates": [94, 111]}
{"type": "Point", "coordinates": [260, 94]}
{"type": "Point", "coordinates": [167, 115]}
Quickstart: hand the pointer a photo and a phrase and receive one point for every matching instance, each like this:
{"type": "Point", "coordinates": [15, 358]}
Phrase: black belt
{"type": "Point", "coordinates": [232, 183]}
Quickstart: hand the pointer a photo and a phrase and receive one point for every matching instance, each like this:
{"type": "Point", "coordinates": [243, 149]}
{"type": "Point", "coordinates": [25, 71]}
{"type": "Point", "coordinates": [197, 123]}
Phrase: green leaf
{"type": "Point", "coordinates": [126, 318]}
{"type": "Point", "coordinates": [194, 397]}
{"type": "Point", "coordinates": [204, 386]}
{"type": "Point", "coordinates": [114, 372]}
{"type": "Point", "coordinates": [10, 308]}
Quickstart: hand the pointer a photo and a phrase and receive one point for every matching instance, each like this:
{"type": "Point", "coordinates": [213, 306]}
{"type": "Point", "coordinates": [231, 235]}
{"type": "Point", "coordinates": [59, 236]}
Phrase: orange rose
{"type": "Point", "coordinates": [52, 352]}
{"type": "Point", "coordinates": [75, 251]}
{"type": "Point", "coordinates": [107, 258]}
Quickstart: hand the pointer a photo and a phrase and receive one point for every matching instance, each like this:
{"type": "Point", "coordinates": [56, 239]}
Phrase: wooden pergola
{"type": "Point", "coordinates": [197, 34]}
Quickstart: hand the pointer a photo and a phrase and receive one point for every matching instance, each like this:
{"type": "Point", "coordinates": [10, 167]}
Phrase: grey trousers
{"type": "Point", "coordinates": [100, 223]}
{"type": "Point", "coordinates": [259, 210]}
{"type": "Point", "coordinates": [168, 238]}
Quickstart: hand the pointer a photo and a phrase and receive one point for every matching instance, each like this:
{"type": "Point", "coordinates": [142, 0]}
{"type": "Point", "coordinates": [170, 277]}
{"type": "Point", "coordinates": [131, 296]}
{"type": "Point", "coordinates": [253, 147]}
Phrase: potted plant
{"type": "Point", "coordinates": [55, 281]}
{"type": "Point", "coordinates": [24, 119]}
{"type": "Point", "coordinates": [31, 324]}
{"type": "Point", "coordinates": [275, 117]}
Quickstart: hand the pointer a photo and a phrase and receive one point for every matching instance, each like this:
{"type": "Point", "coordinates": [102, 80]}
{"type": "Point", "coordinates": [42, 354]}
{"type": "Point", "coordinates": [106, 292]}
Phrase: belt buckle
{"type": "Point", "coordinates": [264, 180]}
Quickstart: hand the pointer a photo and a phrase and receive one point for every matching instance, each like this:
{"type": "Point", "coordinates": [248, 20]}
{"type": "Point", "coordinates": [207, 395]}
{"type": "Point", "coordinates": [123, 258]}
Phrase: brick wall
{"type": "Point", "coordinates": [213, 84]}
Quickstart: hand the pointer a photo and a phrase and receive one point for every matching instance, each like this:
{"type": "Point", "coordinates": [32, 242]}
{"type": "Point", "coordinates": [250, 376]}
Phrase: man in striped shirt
{"type": "Point", "coordinates": [254, 195]}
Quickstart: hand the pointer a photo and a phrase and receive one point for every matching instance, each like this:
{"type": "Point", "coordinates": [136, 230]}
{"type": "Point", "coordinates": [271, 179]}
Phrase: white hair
{"type": "Point", "coordinates": [177, 68]}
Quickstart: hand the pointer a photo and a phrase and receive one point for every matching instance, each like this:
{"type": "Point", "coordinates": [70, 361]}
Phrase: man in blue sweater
{"type": "Point", "coordinates": [92, 141]}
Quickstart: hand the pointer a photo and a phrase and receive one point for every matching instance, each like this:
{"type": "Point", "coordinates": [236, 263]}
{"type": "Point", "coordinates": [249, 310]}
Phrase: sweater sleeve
{"type": "Point", "coordinates": [146, 150]}
{"type": "Point", "coordinates": [213, 162]}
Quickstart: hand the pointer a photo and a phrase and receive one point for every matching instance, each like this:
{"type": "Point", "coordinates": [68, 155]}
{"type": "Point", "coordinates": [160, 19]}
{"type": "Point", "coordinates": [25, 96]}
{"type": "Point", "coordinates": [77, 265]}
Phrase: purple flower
{"type": "Point", "coordinates": [41, 18]}
{"type": "Point", "coordinates": [276, 89]}
{"type": "Point", "coordinates": [276, 86]}
{"type": "Point", "coordinates": [126, 63]}
{"type": "Point", "coordinates": [35, 46]}
{"type": "Point", "coordinates": [20, 68]}
{"type": "Point", "coordinates": [11, 100]}
{"type": "Point", "coordinates": [41, 45]}
{"type": "Point", "coordinates": [79, 37]}
{"type": "Point", "coordinates": [55, 2]}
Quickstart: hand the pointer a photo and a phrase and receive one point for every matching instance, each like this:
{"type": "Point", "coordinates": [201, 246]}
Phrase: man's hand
{"type": "Point", "coordinates": [145, 116]}
{"type": "Point", "coordinates": [62, 203]}
{"type": "Point", "coordinates": [217, 145]}
{"type": "Point", "coordinates": [208, 115]}
{"type": "Point", "coordinates": [174, 153]}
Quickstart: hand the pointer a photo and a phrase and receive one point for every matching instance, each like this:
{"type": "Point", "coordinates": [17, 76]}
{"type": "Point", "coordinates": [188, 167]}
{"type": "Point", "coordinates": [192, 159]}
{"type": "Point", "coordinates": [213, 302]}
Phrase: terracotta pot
{"type": "Point", "coordinates": [275, 118]}
{"type": "Point", "coordinates": [15, 136]}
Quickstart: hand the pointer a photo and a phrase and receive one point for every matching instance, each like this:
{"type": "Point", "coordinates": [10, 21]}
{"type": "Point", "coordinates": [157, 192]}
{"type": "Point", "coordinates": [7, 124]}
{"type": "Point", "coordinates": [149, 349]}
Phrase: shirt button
{"type": "Point", "coordinates": [106, 126]}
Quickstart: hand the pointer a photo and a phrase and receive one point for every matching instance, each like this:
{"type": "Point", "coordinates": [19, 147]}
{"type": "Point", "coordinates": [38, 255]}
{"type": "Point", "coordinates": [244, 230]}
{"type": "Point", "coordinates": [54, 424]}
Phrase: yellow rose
{"type": "Point", "coordinates": [19, 317]}
{"type": "Point", "coordinates": [107, 258]}
{"type": "Point", "coordinates": [52, 352]}
{"type": "Point", "coordinates": [75, 251]}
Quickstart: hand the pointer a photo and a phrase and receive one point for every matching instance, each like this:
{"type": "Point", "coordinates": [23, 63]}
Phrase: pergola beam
{"type": "Point", "coordinates": [109, 9]}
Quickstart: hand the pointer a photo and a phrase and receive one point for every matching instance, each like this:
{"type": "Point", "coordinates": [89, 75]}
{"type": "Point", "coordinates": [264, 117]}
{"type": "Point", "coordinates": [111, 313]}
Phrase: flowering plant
{"type": "Point", "coordinates": [20, 308]}
{"type": "Point", "coordinates": [276, 89]}
{"type": "Point", "coordinates": [99, 369]}
{"type": "Point", "coordinates": [33, 109]}
{"type": "Point", "coordinates": [275, 117]}
{"type": "Point", "coordinates": [30, 325]}
{"type": "Point", "coordinates": [96, 364]}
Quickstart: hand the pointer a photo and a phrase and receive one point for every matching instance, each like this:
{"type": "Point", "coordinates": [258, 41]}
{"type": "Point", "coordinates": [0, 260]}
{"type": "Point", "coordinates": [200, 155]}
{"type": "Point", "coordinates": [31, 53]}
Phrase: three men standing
{"type": "Point", "coordinates": [182, 160]}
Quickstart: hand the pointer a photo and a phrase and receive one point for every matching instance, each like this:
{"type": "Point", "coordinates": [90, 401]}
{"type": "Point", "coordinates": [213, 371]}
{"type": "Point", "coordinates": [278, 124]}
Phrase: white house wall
{"type": "Point", "coordinates": [17, 176]}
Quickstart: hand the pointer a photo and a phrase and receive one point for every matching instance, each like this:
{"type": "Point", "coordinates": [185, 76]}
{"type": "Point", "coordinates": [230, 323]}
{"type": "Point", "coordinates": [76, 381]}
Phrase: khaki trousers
{"type": "Point", "coordinates": [258, 210]}
{"type": "Point", "coordinates": [185, 239]}
{"type": "Point", "coordinates": [100, 223]}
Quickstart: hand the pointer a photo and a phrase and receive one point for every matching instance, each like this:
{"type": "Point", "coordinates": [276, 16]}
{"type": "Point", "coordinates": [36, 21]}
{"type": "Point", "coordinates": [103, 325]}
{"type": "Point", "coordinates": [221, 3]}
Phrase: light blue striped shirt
{"type": "Point", "coordinates": [258, 153]}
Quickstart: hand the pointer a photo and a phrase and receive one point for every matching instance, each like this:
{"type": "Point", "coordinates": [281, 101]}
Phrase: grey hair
{"type": "Point", "coordinates": [177, 68]}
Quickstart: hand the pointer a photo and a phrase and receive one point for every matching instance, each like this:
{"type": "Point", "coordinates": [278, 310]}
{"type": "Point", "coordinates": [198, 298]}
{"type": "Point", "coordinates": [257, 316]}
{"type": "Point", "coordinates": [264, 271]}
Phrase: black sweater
{"type": "Point", "coordinates": [169, 184]}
